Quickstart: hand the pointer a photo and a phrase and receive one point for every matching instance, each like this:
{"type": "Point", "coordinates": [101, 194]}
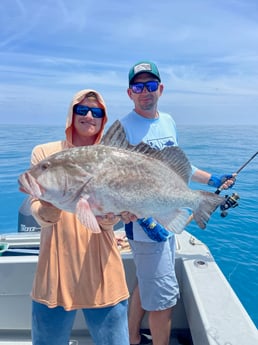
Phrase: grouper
{"type": "Point", "coordinates": [114, 176]}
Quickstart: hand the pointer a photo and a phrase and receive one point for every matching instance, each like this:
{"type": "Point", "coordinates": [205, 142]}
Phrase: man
{"type": "Point", "coordinates": [77, 269]}
{"type": "Point", "coordinates": [157, 290]}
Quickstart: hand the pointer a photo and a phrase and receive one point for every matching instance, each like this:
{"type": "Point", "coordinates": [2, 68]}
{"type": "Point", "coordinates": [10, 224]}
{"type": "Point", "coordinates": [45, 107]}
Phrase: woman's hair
{"type": "Point", "coordinates": [91, 95]}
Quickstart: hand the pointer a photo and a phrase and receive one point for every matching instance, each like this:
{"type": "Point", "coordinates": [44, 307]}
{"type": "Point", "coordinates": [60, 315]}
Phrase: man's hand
{"type": "Point", "coordinates": [222, 182]}
{"type": "Point", "coordinates": [49, 213]}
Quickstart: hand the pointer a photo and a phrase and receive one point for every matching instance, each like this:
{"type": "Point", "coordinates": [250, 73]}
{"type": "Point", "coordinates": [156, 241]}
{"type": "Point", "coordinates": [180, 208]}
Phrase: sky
{"type": "Point", "coordinates": [206, 52]}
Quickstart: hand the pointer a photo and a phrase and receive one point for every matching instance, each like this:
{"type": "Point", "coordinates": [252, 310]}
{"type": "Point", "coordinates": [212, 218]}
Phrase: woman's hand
{"type": "Point", "coordinates": [107, 221]}
{"type": "Point", "coordinates": [128, 217]}
{"type": "Point", "coordinates": [49, 213]}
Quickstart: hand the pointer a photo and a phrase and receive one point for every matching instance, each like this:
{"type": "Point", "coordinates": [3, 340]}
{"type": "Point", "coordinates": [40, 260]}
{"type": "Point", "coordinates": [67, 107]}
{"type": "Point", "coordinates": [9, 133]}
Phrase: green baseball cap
{"type": "Point", "coordinates": [143, 67]}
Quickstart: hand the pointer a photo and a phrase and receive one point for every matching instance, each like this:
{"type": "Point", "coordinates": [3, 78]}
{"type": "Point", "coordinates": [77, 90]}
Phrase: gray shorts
{"type": "Point", "coordinates": [155, 270]}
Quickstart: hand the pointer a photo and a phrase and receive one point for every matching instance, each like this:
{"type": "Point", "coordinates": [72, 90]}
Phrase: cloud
{"type": "Point", "coordinates": [206, 52]}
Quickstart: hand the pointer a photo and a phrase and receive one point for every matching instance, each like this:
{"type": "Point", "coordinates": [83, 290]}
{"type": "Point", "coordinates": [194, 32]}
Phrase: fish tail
{"type": "Point", "coordinates": [208, 204]}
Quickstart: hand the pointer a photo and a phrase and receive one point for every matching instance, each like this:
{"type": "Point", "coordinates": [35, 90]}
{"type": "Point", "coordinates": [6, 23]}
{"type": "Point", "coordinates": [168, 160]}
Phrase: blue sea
{"type": "Point", "coordinates": [233, 240]}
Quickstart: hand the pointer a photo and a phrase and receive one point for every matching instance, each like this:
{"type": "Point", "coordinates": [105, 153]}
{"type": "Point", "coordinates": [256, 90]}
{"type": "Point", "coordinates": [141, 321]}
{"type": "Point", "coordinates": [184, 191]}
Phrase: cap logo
{"type": "Point", "coordinates": [142, 67]}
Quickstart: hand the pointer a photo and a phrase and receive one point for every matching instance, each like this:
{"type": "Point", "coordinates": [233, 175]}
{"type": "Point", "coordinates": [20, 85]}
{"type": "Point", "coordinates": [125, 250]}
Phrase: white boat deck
{"type": "Point", "coordinates": [10, 338]}
{"type": "Point", "coordinates": [208, 309]}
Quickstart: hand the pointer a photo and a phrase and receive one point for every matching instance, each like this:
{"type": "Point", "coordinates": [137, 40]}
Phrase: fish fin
{"type": "Point", "coordinates": [86, 216]}
{"type": "Point", "coordinates": [172, 156]}
{"type": "Point", "coordinates": [175, 158]}
{"type": "Point", "coordinates": [208, 204]}
{"type": "Point", "coordinates": [115, 136]}
{"type": "Point", "coordinates": [179, 220]}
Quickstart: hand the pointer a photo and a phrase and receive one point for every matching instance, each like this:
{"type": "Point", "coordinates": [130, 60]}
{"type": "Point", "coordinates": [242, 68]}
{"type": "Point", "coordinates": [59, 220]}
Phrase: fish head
{"type": "Point", "coordinates": [58, 179]}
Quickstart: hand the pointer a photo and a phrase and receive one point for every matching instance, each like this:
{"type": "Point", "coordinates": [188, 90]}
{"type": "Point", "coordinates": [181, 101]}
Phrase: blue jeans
{"type": "Point", "coordinates": [53, 326]}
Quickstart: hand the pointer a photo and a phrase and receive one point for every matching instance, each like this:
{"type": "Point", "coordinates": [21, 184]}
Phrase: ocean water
{"type": "Point", "coordinates": [233, 240]}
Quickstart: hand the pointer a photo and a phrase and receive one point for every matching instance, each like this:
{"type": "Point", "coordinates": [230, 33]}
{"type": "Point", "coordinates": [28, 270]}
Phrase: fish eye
{"type": "Point", "coordinates": [45, 165]}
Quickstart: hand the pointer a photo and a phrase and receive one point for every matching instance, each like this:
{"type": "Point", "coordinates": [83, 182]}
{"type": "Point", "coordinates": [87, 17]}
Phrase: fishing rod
{"type": "Point", "coordinates": [231, 200]}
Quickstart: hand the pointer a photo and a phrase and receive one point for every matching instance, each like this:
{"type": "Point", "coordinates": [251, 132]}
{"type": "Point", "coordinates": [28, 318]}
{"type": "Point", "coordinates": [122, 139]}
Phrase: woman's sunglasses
{"type": "Point", "coordinates": [83, 110]}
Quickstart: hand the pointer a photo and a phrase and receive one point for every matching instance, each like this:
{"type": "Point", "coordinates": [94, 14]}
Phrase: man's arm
{"type": "Point", "coordinates": [225, 181]}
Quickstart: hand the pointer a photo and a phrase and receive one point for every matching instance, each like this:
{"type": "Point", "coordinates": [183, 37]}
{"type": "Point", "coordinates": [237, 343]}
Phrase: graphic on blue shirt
{"type": "Point", "coordinates": [160, 143]}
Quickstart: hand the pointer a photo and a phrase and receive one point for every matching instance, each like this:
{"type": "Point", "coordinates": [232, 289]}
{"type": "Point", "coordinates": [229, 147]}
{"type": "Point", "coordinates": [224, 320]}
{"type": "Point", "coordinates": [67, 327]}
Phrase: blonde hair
{"type": "Point", "coordinates": [91, 95]}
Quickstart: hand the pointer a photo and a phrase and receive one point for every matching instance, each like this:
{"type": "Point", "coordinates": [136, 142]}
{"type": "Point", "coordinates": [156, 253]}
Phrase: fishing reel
{"type": "Point", "coordinates": [229, 202]}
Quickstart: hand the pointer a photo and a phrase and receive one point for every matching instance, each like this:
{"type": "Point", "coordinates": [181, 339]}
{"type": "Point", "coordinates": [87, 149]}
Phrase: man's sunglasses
{"type": "Point", "coordinates": [83, 110]}
{"type": "Point", "coordinates": [151, 86]}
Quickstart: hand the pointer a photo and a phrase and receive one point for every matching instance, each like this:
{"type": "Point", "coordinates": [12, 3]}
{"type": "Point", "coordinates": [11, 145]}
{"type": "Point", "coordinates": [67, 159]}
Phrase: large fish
{"type": "Point", "coordinates": [115, 177]}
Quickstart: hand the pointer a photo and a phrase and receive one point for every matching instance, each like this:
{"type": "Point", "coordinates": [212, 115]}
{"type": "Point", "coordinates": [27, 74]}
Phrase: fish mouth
{"type": "Point", "coordinates": [28, 184]}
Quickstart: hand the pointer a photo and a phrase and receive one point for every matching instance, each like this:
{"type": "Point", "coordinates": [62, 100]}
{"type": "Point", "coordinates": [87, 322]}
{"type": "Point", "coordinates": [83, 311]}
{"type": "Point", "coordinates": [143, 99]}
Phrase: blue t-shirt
{"type": "Point", "coordinates": [158, 133]}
